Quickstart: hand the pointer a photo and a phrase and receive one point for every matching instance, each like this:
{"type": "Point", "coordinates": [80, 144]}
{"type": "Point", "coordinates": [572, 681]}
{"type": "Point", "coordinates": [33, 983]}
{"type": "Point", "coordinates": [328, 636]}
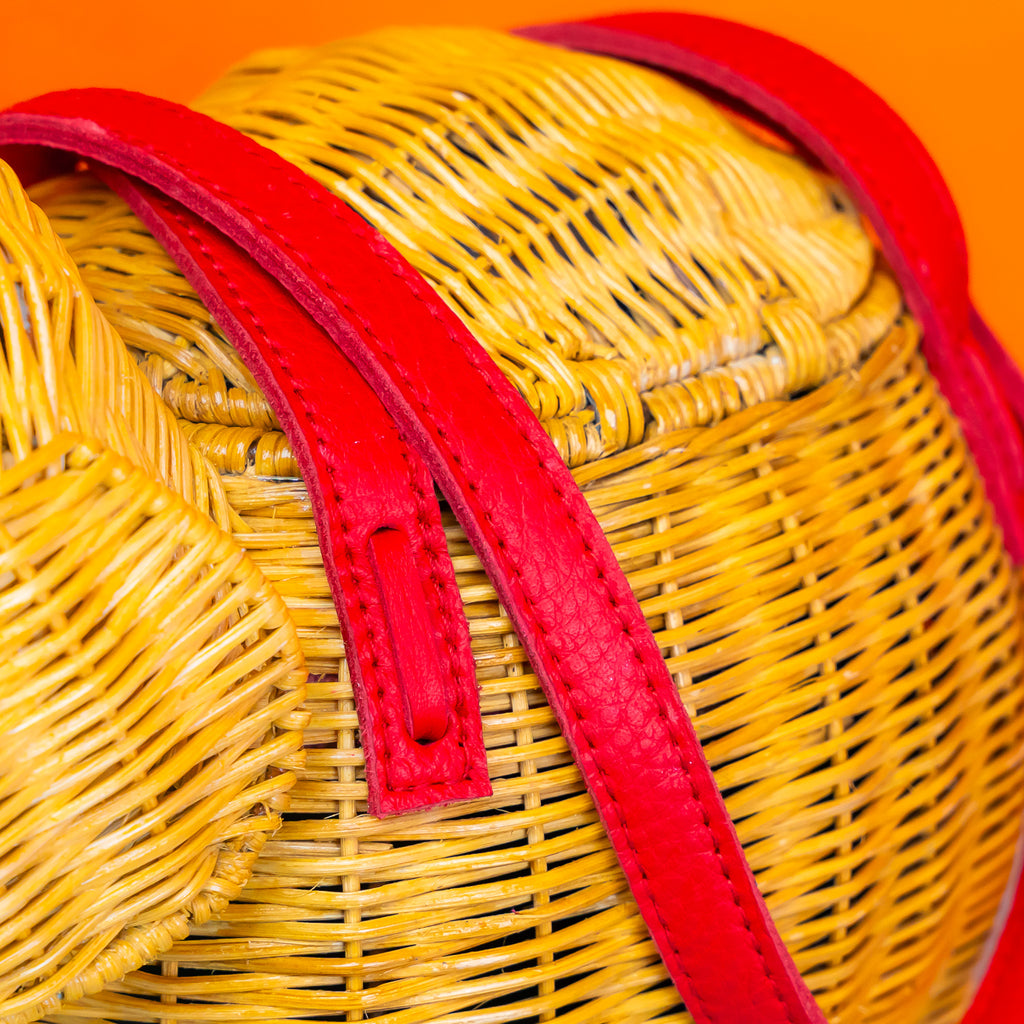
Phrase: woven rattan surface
{"type": "Point", "coordinates": [632, 259]}
{"type": "Point", "coordinates": [150, 676]}
{"type": "Point", "coordinates": [703, 327]}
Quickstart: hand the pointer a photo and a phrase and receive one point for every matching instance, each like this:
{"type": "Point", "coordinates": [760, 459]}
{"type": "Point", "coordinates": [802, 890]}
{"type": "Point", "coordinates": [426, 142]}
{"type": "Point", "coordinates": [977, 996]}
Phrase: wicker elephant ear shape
{"type": "Point", "coordinates": [150, 677]}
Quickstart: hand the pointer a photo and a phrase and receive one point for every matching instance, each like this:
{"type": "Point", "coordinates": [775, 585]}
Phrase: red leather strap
{"type": "Point", "coordinates": [896, 184]}
{"type": "Point", "coordinates": [378, 523]}
{"type": "Point", "coordinates": [546, 554]}
{"type": "Point", "coordinates": [1000, 997]}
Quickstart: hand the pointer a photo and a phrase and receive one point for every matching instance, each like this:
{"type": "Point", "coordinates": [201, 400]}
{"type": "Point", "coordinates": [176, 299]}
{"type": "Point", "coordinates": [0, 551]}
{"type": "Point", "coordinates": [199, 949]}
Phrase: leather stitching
{"type": "Point", "coordinates": [600, 573]}
{"type": "Point", "coordinates": [429, 541]}
{"type": "Point", "coordinates": [472, 356]}
{"type": "Point", "coordinates": [357, 584]}
{"type": "Point", "coordinates": [401, 274]}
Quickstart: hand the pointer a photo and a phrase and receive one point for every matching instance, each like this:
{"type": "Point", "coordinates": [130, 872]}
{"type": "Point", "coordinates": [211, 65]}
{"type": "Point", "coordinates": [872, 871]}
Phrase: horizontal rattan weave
{"type": "Point", "coordinates": [701, 323]}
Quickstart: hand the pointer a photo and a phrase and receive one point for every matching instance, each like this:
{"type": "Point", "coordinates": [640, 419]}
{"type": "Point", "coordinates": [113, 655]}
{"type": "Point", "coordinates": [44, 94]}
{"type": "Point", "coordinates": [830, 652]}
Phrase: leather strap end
{"type": "Point", "coordinates": [401, 615]}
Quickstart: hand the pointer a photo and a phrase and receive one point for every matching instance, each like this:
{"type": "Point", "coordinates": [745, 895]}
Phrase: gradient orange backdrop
{"type": "Point", "coordinates": [952, 69]}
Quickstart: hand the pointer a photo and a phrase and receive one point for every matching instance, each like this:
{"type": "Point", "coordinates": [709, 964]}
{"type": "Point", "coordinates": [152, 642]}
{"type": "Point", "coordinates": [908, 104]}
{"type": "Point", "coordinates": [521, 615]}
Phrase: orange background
{"type": "Point", "coordinates": [952, 69]}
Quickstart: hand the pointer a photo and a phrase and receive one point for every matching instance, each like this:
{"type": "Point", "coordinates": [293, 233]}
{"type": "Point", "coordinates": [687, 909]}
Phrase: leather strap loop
{"type": "Point", "coordinates": [407, 637]}
{"type": "Point", "coordinates": [554, 571]}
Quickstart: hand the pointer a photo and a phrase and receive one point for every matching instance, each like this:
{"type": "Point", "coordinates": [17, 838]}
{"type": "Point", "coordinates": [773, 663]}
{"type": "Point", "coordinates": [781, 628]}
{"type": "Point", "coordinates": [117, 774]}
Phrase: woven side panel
{"type": "Point", "coordinates": [150, 675]}
{"type": "Point", "coordinates": [829, 589]}
{"type": "Point", "coordinates": [63, 367]}
{"type": "Point", "coordinates": [147, 703]}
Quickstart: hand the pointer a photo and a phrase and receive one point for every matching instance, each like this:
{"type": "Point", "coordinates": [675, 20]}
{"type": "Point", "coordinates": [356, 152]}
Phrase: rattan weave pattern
{"type": "Point", "coordinates": [613, 240]}
{"type": "Point", "coordinates": [150, 678]}
{"type": "Point", "coordinates": [788, 494]}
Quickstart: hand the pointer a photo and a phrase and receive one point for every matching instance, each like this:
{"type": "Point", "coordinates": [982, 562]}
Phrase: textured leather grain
{"type": "Point", "coordinates": [866, 144]}
{"type": "Point", "coordinates": [1000, 997]}
{"type": "Point", "coordinates": [378, 523]}
{"type": "Point", "coordinates": [545, 553]}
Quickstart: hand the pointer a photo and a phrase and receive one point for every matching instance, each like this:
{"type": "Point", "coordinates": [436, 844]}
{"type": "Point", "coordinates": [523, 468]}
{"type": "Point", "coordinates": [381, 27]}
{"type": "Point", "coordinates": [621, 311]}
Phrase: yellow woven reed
{"type": "Point", "coordinates": [703, 328]}
{"type": "Point", "coordinates": [611, 239]}
{"type": "Point", "coordinates": [150, 676]}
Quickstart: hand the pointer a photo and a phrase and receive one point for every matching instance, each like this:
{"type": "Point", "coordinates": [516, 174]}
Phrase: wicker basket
{"type": "Point", "coordinates": [702, 325]}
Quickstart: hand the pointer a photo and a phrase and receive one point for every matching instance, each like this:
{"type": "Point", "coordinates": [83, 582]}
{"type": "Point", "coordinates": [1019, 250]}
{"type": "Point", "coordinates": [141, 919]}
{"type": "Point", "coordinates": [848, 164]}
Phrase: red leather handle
{"type": "Point", "coordinates": [1000, 997]}
{"type": "Point", "coordinates": [896, 184]}
{"type": "Point", "coordinates": [866, 144]}
{"type": "Point", "coordinates": [403, 623]}
{"type": "Point", "coordinates": [546, 554]}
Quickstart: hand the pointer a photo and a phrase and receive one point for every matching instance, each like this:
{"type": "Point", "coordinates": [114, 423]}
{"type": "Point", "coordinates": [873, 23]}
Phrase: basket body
{"type": "Point", "coordinates": [702, 326]}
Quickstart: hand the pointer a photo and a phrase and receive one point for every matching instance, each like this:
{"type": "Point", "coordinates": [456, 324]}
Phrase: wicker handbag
{"type": "Point", "coordinates": [611, 393]}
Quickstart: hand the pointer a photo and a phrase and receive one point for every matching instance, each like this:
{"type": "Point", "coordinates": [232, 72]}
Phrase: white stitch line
{"type": "Point", "coordinates": [327, 454]}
